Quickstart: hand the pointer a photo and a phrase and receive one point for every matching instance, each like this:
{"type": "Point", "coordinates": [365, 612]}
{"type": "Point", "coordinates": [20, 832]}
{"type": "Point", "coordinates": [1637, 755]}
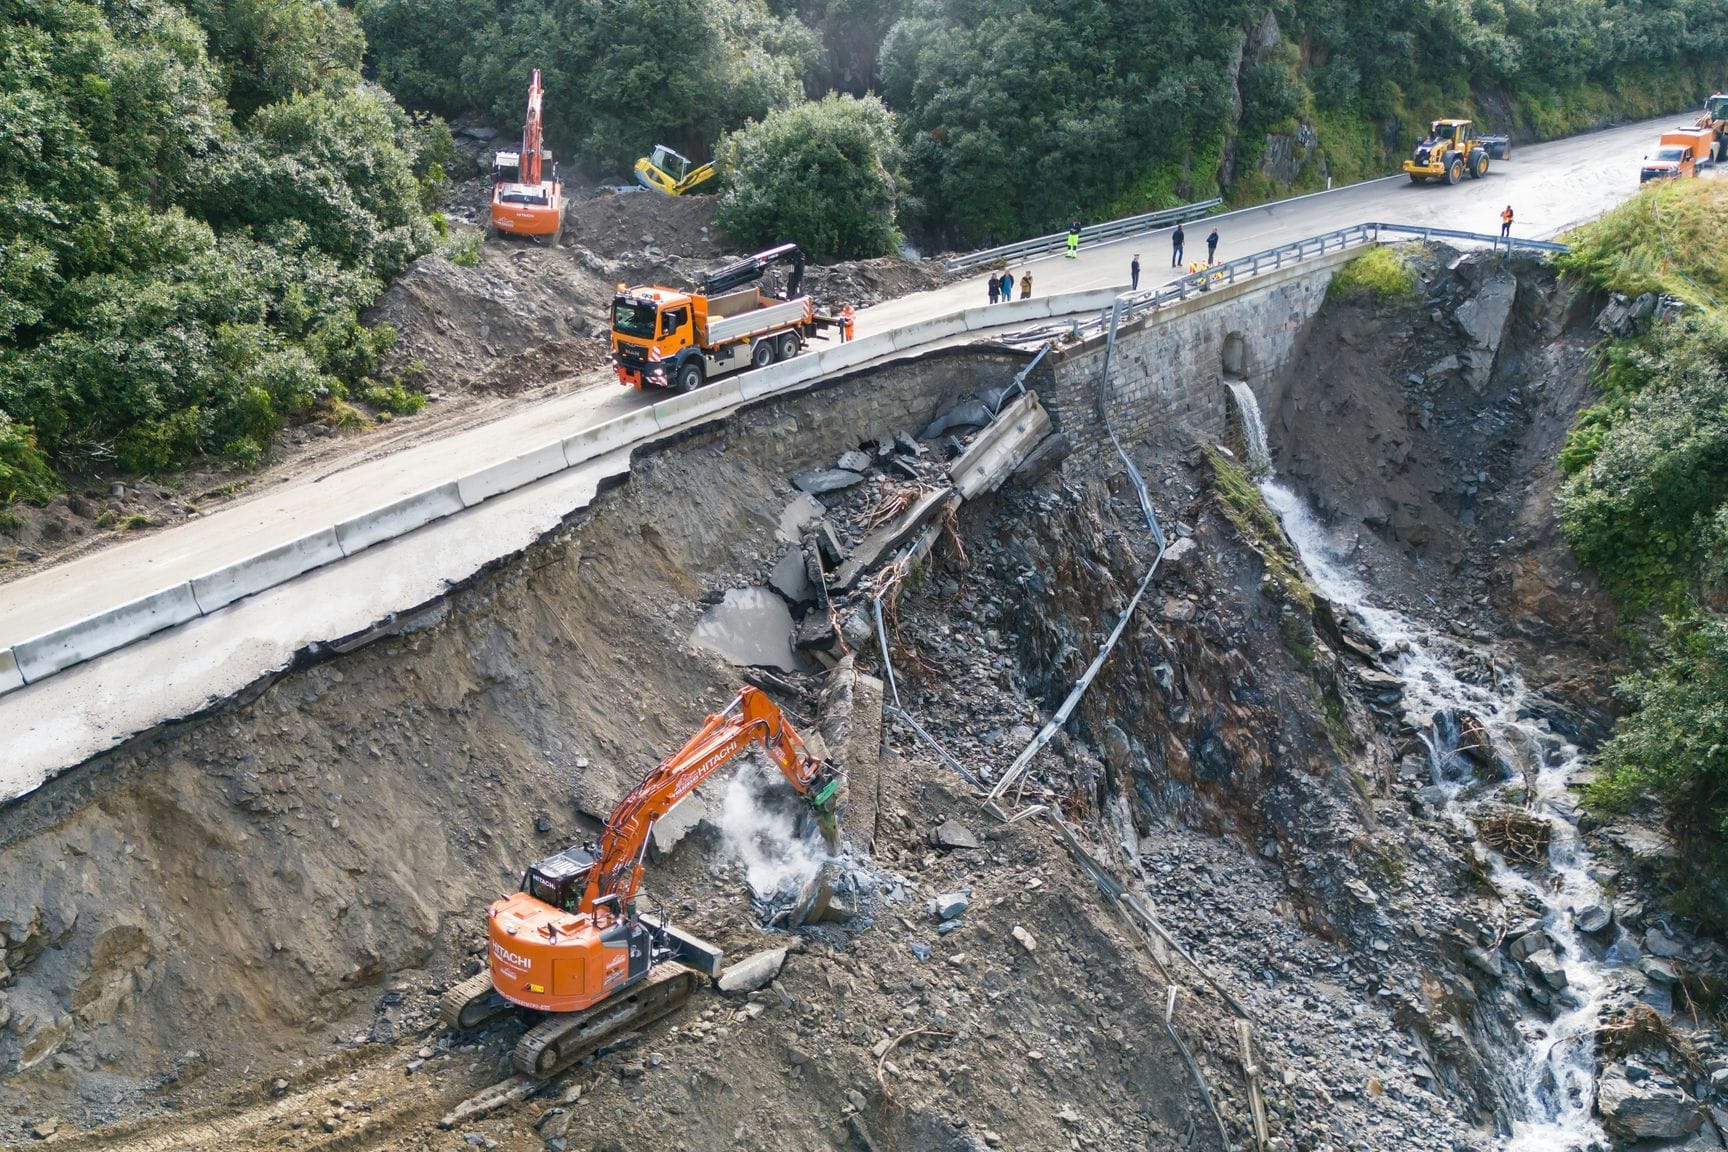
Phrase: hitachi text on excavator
{"type": "Point", "coordinates": [571, 944]}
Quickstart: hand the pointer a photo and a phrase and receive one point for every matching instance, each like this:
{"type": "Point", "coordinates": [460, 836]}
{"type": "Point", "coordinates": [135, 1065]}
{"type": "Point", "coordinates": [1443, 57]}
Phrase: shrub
{"type": "Point", "coordinates": [393, 398]}
{"type": "Point", "coordinates": [23, 472]}
{"type": "Point", "coordinates": [463, 249]}
{"type": "Point", "coordinates": [819, 174]}
{"type": "Point", "coordinates": [1380, 273]}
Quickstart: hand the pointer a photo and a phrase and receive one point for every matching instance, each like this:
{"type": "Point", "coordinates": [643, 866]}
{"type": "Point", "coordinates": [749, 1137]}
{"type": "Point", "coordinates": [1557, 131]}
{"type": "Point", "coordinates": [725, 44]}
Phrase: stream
{"type": "Point", "coordinates": [1550, 1090]}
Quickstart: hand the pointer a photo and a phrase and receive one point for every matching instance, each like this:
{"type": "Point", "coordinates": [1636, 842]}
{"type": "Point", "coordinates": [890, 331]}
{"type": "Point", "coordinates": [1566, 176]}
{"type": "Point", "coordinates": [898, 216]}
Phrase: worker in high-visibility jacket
{"type": "Point", "coordinates": [847, 316]}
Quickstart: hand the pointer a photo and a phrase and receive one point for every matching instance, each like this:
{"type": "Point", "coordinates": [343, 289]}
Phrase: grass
{"type": "Point", "coordinates": [1381, 274]}
{"type": "Point", "coordinates": [1671, 238]}
{"type": "Point", "coordinates": [1245, 508]}
{"type": "Point", "coordinates": [463, 249]}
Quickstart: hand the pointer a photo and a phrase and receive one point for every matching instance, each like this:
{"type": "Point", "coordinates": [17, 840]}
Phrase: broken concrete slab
{"type": "Point", "coordinates": [827, 544]}
{"type": "Point", "coordinates": [802, 511]}
{"type": "Point", "coordinates": [853, 461]}
{"type": "Point", "coordinates": [791, 579]}
{"type": "Point", "coordinates": [850, 710]}
{"type": "Point", "coordinates": [675, 825]}
{"type": "Point", "coordinates": [1043, 460]}
{"type": "Point", "coordinates": [1001, 448]}
{"type": "Point", "coordinates": [817, 481]}
{"type": "Point", "coordinates": [876, 546]}
{"type": "Point", "coordinates": [815, 631]}
{"type": "Point", "coordinates": [752, 972]}
{"type": "Point", "coordinates": [967, 413]}
{"type": "Point", "coordinates": [907, 444]}
{"type": "Point", "coordinates": [954, 835]}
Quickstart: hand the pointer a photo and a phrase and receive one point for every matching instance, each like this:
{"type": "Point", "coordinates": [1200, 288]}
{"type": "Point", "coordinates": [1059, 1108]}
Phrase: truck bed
{"type": "Point", "coordinates": [725, 330]}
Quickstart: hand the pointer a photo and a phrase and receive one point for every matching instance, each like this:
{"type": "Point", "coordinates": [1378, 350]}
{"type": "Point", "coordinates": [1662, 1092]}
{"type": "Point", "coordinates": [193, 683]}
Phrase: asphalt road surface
{"type": "Point", "coordinates": [1551, 187]}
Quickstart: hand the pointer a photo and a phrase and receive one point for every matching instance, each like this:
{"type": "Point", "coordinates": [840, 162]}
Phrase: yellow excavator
{"type": "Point", "coordinates": [665, 170]}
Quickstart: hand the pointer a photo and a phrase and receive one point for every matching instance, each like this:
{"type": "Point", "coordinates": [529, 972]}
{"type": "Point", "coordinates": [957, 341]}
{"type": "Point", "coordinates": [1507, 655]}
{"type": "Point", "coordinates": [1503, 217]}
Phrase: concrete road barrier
{"type": "Point", "coordinates": [10, 677]}
{"type": "Point", "coordinates": [613, 434]}
{"type": "Point", "coordinates": [708, 400]}
{"type": "Point", "coordinates": [509, 475]}
{"type": "Point", "coordinates": [265, 570]}
{"type": "Point", "coordinates": [401, 516]}
{"type": "Point", "coordinates": [104, 632]}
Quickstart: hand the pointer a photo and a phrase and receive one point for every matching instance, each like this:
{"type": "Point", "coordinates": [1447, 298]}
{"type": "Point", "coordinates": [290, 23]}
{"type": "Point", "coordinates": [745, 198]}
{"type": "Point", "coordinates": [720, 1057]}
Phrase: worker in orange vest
{"type": "Point", "coordinates": [1506, 224]}
{"type": "Point", "coordinates": [846, 319]}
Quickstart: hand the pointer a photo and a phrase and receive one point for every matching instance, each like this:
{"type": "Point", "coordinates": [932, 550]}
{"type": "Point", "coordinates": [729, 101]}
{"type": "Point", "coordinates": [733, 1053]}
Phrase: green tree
{"type": "Point", "coordinates": [819, 174]}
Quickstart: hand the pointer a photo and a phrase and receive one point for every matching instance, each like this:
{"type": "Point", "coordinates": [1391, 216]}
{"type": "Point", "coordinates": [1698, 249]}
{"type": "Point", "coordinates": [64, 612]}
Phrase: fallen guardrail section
{"type": "Point", "coordinates": [1090, 234]}
{"type": "Point", "coordinates": [41, 656]}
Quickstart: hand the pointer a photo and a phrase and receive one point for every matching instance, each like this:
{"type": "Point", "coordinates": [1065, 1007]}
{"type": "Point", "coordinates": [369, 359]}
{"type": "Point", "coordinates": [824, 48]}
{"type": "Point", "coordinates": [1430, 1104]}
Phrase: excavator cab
{"type": "Point", "coordinates": [559, 881]}
{"type": "Point", "coordinates": [669, 171]}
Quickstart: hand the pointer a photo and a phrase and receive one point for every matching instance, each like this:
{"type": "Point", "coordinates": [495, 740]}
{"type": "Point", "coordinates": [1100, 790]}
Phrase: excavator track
{"type": "Point", "coordinates": [472, 1003]}
{"type": "Point", "coordinates": [563, 1039]}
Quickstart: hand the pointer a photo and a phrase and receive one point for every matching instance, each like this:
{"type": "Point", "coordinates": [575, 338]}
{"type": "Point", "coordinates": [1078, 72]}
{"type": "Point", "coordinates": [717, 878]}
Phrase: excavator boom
{"type": "Point", "coordinates": [570, 943]}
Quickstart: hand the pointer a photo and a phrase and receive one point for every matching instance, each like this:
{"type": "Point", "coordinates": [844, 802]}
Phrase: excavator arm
{"type": "Point", "coordinates": [533, 149]}
{"type": "Point", "coordinates": [749, 718]}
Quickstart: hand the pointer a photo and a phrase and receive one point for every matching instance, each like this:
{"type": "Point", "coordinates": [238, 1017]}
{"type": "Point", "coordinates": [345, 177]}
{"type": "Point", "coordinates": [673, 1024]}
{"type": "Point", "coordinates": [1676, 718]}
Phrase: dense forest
{"type": "Point", "coordinates": [198, 197]}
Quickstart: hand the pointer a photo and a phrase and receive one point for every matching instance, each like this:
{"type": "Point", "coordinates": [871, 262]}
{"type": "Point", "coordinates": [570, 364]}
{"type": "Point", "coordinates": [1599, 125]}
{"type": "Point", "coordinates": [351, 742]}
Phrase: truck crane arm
{"type": "Point", "coordinates": [750, 717]}
{"type": "Point", "coordinates": [750, 269]}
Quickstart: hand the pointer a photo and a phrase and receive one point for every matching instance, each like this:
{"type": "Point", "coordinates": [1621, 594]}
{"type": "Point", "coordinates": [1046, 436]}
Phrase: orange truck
{"type": "Point", "coordinates": [1681, 152]}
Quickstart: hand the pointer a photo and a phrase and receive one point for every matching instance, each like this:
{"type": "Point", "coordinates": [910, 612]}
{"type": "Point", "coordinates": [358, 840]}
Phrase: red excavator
{"type": "Point", "coordinates": [571, 944]}
{"type": "Point", "coordinates": [527, 198]}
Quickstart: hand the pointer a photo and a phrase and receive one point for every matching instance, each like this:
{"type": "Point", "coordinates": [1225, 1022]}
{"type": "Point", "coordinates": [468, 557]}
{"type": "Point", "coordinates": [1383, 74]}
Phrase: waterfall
{"type": "Point", "coordinates": [1552, 1088]}
{"type": "Point", "coordinates": [1253, 428]}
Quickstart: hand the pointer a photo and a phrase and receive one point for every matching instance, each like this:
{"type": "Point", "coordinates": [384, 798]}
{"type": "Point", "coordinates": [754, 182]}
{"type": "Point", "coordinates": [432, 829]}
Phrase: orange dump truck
{"type": "Point", "coordinates": [1679, 153]}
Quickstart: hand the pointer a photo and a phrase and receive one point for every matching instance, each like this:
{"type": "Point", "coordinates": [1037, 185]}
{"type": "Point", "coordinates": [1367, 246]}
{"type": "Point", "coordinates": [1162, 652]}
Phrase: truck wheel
{"type": "Point", "coordinates": [762, 354]}
{"type": "Point", "coordinates": [1478, 163]}
{"type": "Point", "coordinates": [788, 345]}
{"type": "Point", "coordinates": [1455, 171]}
{"type": "Point", "coordinates": [690, 376]}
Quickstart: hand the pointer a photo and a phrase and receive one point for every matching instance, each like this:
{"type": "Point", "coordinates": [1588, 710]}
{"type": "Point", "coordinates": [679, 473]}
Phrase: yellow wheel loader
{"type": "Point", "coordinates": [1452, 151]}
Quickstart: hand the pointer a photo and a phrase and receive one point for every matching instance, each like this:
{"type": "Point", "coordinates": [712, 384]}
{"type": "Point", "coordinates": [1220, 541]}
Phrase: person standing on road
{"type": "Point", "coordinates": [1007, 285]}
{"type": "Point", "coordinates": [1026, 285]}
{"type": "Point", "coordinates": [1074, 240]}
{"type": "Point", "coordinates": [1176, 239]}
{"type": "Point", "coordinates": [1506, 225]}
{"type": "Point", "coordinates": [1134, 274]}
{"type": "Point", "coordinates": [995, 288]}
{"type": "Point", "coordinates": [1212, 247]}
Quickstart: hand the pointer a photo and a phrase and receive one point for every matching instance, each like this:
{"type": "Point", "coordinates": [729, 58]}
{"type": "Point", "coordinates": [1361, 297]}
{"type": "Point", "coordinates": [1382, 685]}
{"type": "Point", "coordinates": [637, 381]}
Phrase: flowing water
{"type": "Point", "coordinates": [1446, 679]}
{"type": "Point", "coordinates": [1253, 428]}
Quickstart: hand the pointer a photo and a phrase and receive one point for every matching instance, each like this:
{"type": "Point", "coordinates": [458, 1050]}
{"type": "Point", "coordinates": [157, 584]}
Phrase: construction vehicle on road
{"type": "Point", "coordinates": [571, 944]}
{"type": "Point", "coordinates": [527, 196]}
{"type": "Point", "coordinates": [668, 338]}
{"type": "Point", "coordinates": [664, 170]}
{"type": "Point", "coordinates": [1453, 150]}
{"type": "Point", "coordinates": [1680, 152]}
{"type": "Point", "coordinates": [1715, 115]}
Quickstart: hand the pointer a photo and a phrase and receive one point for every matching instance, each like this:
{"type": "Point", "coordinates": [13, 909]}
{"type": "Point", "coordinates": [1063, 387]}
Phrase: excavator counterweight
{"type": "Point", "coordinates": [571, 943]}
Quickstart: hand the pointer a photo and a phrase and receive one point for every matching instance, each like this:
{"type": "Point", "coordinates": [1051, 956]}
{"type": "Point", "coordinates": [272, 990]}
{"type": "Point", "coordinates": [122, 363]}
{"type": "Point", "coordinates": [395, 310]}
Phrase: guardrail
{"type": "Point", "coordinates": [43, 655]}
{"type": "Point", "coordinates": [1294, 253]}
{"type": "Point", "coordinates": [1092, 233]}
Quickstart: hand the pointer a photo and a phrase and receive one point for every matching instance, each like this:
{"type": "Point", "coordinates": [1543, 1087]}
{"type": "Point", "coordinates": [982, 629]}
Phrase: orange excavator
{"type": "Point", "coordinates": [571, 944]}
{"type": "Point", "coordinates": [527, 197]}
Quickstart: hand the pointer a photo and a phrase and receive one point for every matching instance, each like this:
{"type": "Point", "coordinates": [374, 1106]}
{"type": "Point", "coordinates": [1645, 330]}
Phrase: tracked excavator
{"type": "Point", "coordinates": [527, 196]}
{"type": "Point", "coordinates": [571, 946]}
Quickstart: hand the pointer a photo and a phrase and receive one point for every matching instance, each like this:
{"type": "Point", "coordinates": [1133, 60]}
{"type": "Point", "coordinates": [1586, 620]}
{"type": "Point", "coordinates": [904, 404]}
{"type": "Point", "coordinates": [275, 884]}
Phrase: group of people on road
{"type": "Point", "coordinates": [1002, 286]}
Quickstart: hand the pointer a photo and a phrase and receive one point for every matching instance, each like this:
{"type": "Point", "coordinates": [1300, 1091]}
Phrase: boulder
{"type": "Point", "coordinates": [1546, 967]}
{"type": "Point", "coordinates": [752, 972]}
{"type": "Point", "coordinates": [1655, 1108]}
{"type": "Point", "coordinates": [820, 480]}
{"type": "Point", "coordinates": [953, 834]}
{"type": "Point", "coordinates": [949, 905]}
{"type": "Point", "coordinates": [1592, 918]}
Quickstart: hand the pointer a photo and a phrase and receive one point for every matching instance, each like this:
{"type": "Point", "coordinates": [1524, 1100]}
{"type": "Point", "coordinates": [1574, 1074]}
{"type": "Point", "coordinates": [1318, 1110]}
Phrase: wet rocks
{"type": "Point", "coordinates": [1592, 918]}
{"type": "Point", "coordinates": [1638, 1104]}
